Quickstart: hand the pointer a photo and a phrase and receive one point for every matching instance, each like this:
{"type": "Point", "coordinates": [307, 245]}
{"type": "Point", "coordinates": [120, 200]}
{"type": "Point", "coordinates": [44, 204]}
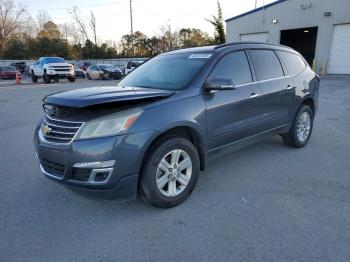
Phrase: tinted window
{"type": "Point", "coordinates": [266, 64]}
{"type": "Point", "coordinates": [54, 60]}
{"type": "Point", "coordinates": [294, 63]}
{"type": "Point", "coordinates": [233, 66]}
{"type": "Point", "coordinates": [103, 67]}
{"type": "Point", "coordinates": [169, 72]}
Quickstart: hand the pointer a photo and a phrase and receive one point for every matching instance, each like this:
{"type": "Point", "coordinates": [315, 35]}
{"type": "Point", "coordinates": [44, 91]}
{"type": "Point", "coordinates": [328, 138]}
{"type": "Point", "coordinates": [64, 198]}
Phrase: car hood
{"type": "Point", "coordinates": [111, 70]}
{"type": "Point", "coordinates": [58, 64]}
{"type": "Point", "coordinates": [100, 95]}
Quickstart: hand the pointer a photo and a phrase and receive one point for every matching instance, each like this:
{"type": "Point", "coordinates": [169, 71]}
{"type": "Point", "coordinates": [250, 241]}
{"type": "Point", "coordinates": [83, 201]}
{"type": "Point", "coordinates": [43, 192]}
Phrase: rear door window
{"type": "Point", "coordinates": [266, 64]}
{"type": "Point", "coordinates": [293, 62]}
{"type": "Point", "coordinates": [233, 66]}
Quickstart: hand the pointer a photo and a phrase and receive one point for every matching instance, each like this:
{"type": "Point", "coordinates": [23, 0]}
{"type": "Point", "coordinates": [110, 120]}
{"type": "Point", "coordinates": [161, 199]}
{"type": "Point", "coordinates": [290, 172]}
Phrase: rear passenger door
{"type": "Point", "coordinates": [233, 114]}
{"type": "Point", "coordinates": [276, 88]}
{"type": "Point", "coordinates": [295, 69]}
{"type": "Point", "coordinates": [94, 72]}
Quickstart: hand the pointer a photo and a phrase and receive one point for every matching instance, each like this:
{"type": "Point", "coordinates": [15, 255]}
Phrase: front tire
{"type": "Point", "coordinates": [71, 79]}
{"type": "Point", "coordinates": [170, 172]}
{"type": "Point", "coordinates": [300, 132]}
{"type": "Point", "coordinates": [34, 78]}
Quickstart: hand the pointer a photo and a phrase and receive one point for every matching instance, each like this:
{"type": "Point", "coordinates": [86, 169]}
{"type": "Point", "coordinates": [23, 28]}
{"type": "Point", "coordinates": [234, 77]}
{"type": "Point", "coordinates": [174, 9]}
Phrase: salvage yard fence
{"type": "Point", "coordinates": [121, 62]}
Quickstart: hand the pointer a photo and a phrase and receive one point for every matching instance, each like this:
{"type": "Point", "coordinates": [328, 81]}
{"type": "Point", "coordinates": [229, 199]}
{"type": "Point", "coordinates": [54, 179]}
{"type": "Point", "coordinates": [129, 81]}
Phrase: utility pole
{"type": "Point", "coordinates": [256, 4]}
{"type": "Point", "coordinates": [131, 29]}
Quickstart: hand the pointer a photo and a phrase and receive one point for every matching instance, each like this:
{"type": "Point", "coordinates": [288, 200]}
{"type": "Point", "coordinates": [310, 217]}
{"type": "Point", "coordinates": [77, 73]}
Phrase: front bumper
{"type": "Point", "coordinates": [63, 164]}
{"type": "Point", "coordinates": [53, 72]}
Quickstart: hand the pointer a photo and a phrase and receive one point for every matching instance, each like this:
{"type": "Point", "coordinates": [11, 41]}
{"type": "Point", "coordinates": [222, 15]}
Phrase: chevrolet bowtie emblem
{"type": "Point", "coordinates": [46, 129]}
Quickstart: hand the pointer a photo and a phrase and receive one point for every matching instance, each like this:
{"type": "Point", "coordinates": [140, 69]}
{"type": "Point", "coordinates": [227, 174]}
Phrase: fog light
{"type": "Point", "coordinates": [98, 164]}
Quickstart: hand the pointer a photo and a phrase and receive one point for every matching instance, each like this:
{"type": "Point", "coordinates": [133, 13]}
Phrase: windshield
{"type": "Point", "coordinates": [168, 72]}
{"type": "Point", "coordinates": [54, 60]}
{"type": "Point", "coordinates": [103, 67]}
{"type": "Point", "coordinates": [8, 68]}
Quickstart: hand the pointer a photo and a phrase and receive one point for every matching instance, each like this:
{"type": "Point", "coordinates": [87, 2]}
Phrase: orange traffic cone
{"type": "Point", "coordinates": [18, 78]}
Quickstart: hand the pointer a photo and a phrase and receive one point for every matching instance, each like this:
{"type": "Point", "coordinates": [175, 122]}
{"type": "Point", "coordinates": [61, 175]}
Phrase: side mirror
{"type": "Point", "coordinates": [220, 84]}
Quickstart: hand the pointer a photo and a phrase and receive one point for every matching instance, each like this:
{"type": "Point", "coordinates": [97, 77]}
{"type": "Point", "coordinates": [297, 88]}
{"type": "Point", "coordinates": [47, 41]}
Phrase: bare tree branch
{"type": "Point", "coordinates": [92, 24]}
{"type": "Point", "coordinates": [76, 16]}
{"type": "Point", "coordinates": [10, 21]}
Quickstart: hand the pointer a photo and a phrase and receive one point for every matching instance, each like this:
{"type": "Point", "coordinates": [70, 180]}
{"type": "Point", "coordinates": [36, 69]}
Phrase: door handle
{"type": "Point", "coordinates": [289, 87]}
{"type": "Point", "coordinates": [254, 95]}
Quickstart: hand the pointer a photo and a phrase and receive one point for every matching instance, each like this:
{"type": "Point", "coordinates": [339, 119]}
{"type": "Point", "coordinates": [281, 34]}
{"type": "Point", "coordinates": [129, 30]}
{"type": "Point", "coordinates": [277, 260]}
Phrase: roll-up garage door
{"type": "Point", "coordinates": [339, 60]}
{"type": "Point", "coordinates": [258, 37]}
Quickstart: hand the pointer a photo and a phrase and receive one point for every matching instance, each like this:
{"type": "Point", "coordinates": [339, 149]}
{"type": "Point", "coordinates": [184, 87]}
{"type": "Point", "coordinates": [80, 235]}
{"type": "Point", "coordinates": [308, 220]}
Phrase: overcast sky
{"type": "Point", "coordinates": [113, 19]}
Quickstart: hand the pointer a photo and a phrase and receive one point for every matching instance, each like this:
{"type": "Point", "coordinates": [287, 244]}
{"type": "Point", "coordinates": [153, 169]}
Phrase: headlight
{"type": "Point", "coordinates": [108, 125]}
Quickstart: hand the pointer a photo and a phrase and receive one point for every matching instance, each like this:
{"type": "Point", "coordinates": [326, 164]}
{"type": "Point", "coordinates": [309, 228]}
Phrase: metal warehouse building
{"type": "Point", "coordinates": [318, 29]}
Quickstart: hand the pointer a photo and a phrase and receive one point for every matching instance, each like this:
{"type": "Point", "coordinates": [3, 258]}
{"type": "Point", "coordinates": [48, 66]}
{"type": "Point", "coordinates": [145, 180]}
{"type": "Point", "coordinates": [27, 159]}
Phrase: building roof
{"type": "Point", "coordinates": [255, 10]}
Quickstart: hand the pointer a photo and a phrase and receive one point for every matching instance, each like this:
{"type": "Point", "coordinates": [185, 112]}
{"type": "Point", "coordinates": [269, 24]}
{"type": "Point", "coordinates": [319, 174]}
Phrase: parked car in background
{"type": "Point", "coordinates": [27, 69]}
{"type": "Point", "coordinates": [84, 65]}
{"type": "Point", "coordinates": [131, 65]}
{"type": "Point", "coordinates": [104, 71]}
{"type": "Point", "coordinates": [79, 73]}
{"type": "Point", "coordinates": [52, 68]}
{"type": "Point", "coordinates": [153, 132]}
{"type": "Point", "coordinates": [20, 66]}
{"type": "Point", "coordinates": [8, 72]}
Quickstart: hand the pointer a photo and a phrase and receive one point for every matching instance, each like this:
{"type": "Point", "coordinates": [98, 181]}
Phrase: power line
{"type": "Point", "coordinates": [87, 6]}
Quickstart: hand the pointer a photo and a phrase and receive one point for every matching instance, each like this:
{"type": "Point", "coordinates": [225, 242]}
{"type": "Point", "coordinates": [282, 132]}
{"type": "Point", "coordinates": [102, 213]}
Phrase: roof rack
{"type": "Point", "coordinates": [248, 42]}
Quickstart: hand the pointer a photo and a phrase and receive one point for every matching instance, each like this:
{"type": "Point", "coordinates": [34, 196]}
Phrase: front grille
{"type": "Point", "coordinates": [81, 174]}
{"type": "Point", "coordinates": [53, 168]}
{"type": "Point", "coordinates": [59, 131]}
{"type": "Point", "coordinates": [61, 70]}
{"type": "Point", "coordinates": [55, 67]}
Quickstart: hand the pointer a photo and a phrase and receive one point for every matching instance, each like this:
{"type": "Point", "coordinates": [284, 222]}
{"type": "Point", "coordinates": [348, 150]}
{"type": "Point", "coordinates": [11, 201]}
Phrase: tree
{"type": "Point", "coordinates": [218, 23]}
{"type": "Point", "coordinates": [16, 49]}
{"type": "Point", "coordinates": [88, 50]}
{"type": "Point", "coordinates": [191, 37]}
{"type": "Point", "coordinates": [76, 17]}
{"type": "Point", "coordinates": [42, 18]}
{"type": "Point", "coordinates": [50, 31]}
{"type": "Point", "coordinates": [92, 24]}
{"type": "Point", "coordinates": [11, 19]}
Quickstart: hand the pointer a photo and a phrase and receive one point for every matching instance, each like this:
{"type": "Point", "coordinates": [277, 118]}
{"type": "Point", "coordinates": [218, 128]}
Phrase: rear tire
{"type": "Point", "coordinates": [88, 76]}
{"type": "Point", "coordinates": [170, 172]}
{"type": "Point", "coordinates": [300, 132]}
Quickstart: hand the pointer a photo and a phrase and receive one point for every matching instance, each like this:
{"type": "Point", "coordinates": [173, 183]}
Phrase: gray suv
{"type": "Point", "coordinates": [152, 133]}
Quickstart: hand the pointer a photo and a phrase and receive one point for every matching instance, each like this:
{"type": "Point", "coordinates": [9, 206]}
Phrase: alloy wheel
{"type": "Point", "coordinates": [304, 126]}
{"type": "Point", "coordinates": [174, 173]}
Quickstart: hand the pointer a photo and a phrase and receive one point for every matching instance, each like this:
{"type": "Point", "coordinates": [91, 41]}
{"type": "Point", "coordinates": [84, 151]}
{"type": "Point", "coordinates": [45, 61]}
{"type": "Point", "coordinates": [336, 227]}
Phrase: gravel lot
{"type": "Point", "coordinates": [267, 202]}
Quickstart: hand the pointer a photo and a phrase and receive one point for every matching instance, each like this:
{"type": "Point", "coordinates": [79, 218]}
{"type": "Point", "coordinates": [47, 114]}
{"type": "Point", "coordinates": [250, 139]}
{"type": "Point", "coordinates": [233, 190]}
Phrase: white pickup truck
{"type": "Point", "coordinates": [51, 68]}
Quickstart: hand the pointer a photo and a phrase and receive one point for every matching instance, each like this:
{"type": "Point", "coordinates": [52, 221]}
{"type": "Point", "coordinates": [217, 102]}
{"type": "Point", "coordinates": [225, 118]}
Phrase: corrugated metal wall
{"type": "Point", "coordinates": [293, 14]}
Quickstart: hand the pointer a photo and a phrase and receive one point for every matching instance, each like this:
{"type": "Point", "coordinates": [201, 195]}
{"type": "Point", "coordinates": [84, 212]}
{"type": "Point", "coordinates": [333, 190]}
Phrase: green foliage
{"type": "Point", "coordinates": [218, 23]}
{"type": "Point", "coordinates": [50, 31]}
{"type": "Point", "coordinates": [49, 41]}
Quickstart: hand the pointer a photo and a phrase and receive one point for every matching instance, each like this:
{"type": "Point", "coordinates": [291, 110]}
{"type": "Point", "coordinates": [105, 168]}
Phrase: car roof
{"type": "Point", "coordinates": [227, 45]}
{"type": "Point", "coordinates": [45, 57]}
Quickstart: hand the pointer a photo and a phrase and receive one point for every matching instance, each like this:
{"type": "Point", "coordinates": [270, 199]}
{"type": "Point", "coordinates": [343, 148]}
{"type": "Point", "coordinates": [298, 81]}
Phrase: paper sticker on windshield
{"type": "Point", "coordinates": [203, 56]}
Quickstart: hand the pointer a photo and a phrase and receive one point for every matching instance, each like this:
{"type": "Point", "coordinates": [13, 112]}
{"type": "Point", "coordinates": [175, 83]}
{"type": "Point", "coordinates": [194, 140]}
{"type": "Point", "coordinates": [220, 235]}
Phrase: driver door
{"type": "Point", "coordinates": [38, 67]}
{"type": "Point", "coordinates": [233, 115]}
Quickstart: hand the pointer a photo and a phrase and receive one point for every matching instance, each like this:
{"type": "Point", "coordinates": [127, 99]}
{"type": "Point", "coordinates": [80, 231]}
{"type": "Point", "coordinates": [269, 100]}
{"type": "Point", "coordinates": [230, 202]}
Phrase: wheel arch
{"type": "Point", "coordinates": [309, 101]}
{"type": "Point", "coordinates": [184, 130]}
